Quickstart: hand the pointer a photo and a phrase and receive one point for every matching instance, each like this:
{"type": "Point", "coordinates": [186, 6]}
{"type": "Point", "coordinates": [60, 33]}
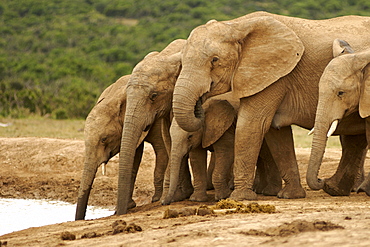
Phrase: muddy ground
{"type": "Point", "coordinates": [51, 168]}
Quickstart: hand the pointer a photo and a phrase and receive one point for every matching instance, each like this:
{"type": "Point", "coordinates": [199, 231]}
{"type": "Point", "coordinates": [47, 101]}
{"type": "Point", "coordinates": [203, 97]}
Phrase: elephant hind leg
{"type": "Point", "coordinates": [354, 149]}
{"type": "Point", "coordinates": [281, 144]}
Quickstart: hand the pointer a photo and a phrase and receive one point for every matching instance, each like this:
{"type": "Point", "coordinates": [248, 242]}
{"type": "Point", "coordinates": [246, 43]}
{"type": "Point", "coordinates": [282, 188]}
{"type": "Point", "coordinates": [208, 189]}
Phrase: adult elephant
{"type": "Point", "coordinates": [216, 134]}
{"type": "Point", "coordinates": [149, 99]}
{"type": "Point", "coordinates": [273, 64]}
{"type": "Point", "coordinates": [103, 132]}
{"type": "Point", "coordinates": [344, 90]}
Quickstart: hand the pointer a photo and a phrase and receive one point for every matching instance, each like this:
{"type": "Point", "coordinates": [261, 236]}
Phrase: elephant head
{"type": "Point", "coordinates": [344, 88]}
{"type": "Point", "coordinates": [219, 115]}
{"type": "Point", "coordinates": [246, 55]}
{"type": "Point", "coordinates": [149, 98]}
{"type": "Point", "coordinates": [103, 130]}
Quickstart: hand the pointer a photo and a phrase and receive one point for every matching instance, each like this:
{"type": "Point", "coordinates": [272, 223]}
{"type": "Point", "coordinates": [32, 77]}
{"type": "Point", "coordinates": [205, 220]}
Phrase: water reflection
{"type": "Point", "coordinates": [19, 214]}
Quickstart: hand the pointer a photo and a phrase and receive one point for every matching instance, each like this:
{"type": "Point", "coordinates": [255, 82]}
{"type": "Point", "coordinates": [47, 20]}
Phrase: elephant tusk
{"type": "Point", "coordinates": [311, 132]}
{"type": "Point", "coordinates": [103, 169]}
{"type": "Point", "coordinates": [333, 127]}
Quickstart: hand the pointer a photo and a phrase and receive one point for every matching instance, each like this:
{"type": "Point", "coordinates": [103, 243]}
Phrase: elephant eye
{"type": "Point", "coordinates": [340, 93]}
{"type": "Point", "coordinates": [153, 96]}
{"type": "Point", "coordinates": [190, 136]}
{"type": "Point", "coordinates": [214, 59]}
{"type": "Point", "coordinates": [103, 140]}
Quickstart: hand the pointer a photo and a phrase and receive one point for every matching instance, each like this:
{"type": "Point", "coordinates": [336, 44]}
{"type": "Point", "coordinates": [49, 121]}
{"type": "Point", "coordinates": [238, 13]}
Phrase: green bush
{"type": "Point", "coordinates": [56, 57]}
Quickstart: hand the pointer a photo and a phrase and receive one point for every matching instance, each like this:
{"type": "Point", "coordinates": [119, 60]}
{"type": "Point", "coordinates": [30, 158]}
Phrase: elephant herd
{"type": "Point", "coordinates": [235, 88]}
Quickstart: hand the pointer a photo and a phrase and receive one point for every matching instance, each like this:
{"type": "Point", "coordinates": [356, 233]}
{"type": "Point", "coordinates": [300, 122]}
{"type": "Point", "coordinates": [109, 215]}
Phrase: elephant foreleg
{"type": "Point", "coordinates": [224, 158]}
{"type": "Point", "coordinates": [281, 144]}
{"type": "Point", "coordinates": [198, 161]}
{"type": "Point", "coordinates": [156, 139]}
{"type": "Point", "coordinates": [354, 149]}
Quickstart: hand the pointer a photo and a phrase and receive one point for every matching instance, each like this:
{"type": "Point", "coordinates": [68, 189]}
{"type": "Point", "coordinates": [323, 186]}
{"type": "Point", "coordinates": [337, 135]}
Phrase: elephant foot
{"type": "Point", "coordinates": [157, 196]}
{"type": "Point", "coordinates": [334, 190]}
{"type": "Point", "coordinates": [222, 194]}
{"type": "Point", "coordinates": [364, 187]}
{"type": "Point", "coordinates": [199, 196]}
{"type": "Point", "coordinates": [292, 192]}
{"type": "Point", "coordinates": [243, 194]}
{"type": "Point", "coordinates": [271, 190]}
{"type": "Point", "coordinates": [131, 204]}
{"type": "Point", "coordinates": [210, 186]}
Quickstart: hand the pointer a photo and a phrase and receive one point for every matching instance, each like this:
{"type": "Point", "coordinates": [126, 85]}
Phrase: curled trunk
{"type": "Point", "coordinates": [187, 107]}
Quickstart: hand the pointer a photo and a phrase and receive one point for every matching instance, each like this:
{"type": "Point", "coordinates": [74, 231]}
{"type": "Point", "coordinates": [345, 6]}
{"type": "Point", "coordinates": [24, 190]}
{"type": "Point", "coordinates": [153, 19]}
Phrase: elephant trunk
{"type": "Point", "coordinates": [318, 149]}
{"type": "Point", "coordinates": [187, 106]}
{"type": "Point", "coordinates": [88, 176]}
{"type": "Point", "coordinates": [131, 133]}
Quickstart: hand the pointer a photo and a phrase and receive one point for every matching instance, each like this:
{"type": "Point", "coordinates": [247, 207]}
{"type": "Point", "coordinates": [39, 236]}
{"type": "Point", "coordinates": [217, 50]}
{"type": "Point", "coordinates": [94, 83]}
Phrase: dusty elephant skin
{"type": "Point", "coordinates": [39, 176]}
{"type": "Point", "coordinates": [216, 134]}
{"type": "Point", "coordinates": [103, 131]}
{"type": "Point", "coordinates": [276, 81]}
{"type": "Point", "coordinates": [344, 89]}
{"type": "Point", "coordinates": [104, 124]}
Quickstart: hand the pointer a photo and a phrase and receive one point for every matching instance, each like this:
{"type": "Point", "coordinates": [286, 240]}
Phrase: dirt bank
{"type": "Point", "coordinates": [51, 168]}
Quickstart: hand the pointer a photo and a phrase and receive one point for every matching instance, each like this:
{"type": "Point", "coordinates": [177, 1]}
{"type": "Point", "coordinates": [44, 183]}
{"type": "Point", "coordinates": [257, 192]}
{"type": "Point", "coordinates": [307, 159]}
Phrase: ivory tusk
{"type": "Point", "coordinates": [311, 131]}
{"type": "Point", "coordinates": [333, 127]}
{"type": "Point", "coordinates": [103, 169]}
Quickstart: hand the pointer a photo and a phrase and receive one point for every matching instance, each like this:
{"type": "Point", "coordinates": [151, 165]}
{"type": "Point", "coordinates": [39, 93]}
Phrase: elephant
{"type": "Point", "coordinates": [216, 134]}
{"type": "Point", "coordinates": [343, 90]}
{"type": "Point", "coordinates": [103, 133]}
{"type": "Point", "coordinates": [149, 99]}
{"type": "Point", "coordinates": [273, 64]}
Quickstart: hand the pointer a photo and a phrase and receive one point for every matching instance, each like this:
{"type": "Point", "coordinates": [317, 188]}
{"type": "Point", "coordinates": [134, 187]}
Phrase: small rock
{"type": "Point", "coordinates": [119, 222]}
{"type": "Point", "coordinates": [67, 236]}
{"type": "Point", "coordinates": [170, 213]}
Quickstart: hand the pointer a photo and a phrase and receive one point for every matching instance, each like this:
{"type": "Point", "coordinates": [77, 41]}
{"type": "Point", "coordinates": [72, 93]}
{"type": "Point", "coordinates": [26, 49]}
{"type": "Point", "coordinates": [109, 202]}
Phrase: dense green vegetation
{"type": "Point", "coordinates": [56, 56]}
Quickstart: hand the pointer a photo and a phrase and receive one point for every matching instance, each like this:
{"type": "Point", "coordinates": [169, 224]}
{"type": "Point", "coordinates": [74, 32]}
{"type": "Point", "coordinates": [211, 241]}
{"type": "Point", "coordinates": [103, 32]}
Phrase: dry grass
{"type": "Point", "coordinates": [43, 127]}
{"type": "Point", "coordinates": [73, 129]}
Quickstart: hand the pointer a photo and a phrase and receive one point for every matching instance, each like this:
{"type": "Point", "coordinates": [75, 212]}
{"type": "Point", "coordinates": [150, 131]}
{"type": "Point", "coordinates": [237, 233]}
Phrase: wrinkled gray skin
{"type": "Point", "coordinates": [217, 134]}
{"type": "Point", "coordinates": [344, 89]}
{"type": "Point", "coordinates": [273, 64]}
{"type": "Point", "coordinates": [103, 131]}
{"type": "Point", "coordinates": [149, 97]}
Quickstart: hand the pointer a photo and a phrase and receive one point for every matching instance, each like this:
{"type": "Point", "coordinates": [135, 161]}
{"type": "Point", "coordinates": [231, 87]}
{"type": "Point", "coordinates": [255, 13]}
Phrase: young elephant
{"type": "Point", "coordinates": [105, 122]}
{"type": "Point", "coordinates": [344, 90]}
{"type": "Point", "coordinates": [217, 134]}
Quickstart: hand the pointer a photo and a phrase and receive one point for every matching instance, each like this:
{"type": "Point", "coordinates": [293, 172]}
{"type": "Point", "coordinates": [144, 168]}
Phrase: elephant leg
{"type": "Point", "coordinates": [354, 149]}
{"type": "Point", "coordinates": [224, 159]}
{"type": "Point", "coordinates": [159, 171]}
{"type": "Point", "coordinates": [365, 186]}
{"type": "Point", "coordinates": [281, 144]}
{"type": "Point", "coordinates": [185, 187]}
{"type": "Point", "coordinates": [211, 167]}
{"type": "Point", "coordinates": [255, 115]}
{"type": "Point", "coordinates": [268, 180]}
{"type": "Point", "coordinates": [156, 139]}
{"type": "Point", "coordinates": [198, 161]}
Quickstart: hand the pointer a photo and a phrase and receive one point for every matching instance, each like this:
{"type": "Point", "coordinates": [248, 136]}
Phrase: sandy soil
{"type": "Point", "coordinates": [51, 168]}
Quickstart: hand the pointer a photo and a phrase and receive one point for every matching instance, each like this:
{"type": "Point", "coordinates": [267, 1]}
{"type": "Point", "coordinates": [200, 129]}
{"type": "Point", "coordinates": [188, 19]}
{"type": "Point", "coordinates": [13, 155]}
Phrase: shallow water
{"type": "Point", "coordinates": [19, 214]}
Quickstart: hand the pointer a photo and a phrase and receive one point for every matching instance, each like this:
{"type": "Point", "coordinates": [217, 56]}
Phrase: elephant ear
{"type": "Point", "coordinates": [270, 50]}
{"type": "Point", "coordinates": [364, 105]}
{"type": "Point", "coordinates": [341, 47]}
{"type": "Point", "coordinates": [219, 116]}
